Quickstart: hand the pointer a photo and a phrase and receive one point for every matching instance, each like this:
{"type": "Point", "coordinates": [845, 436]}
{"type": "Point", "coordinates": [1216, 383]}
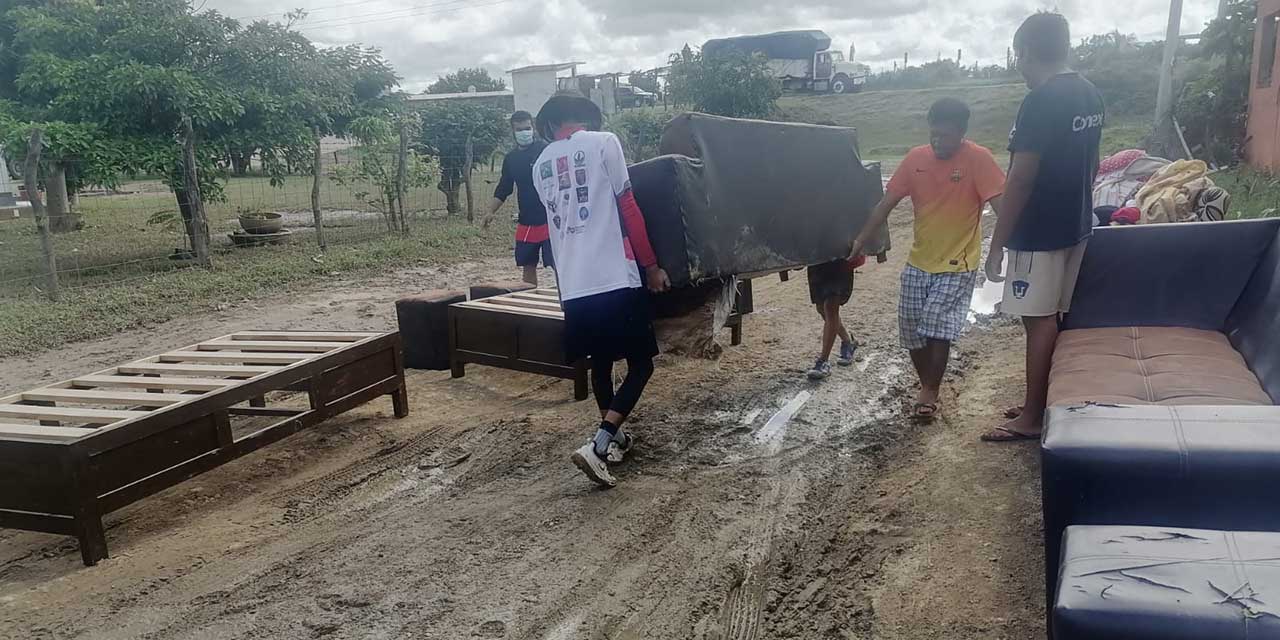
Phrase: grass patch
{"type": "Point", "coordinates": [30, 325]}
{"type": "Point", "coordinates": [891, 123]}
{"type": "Point", "coordinates": [1254, 193]}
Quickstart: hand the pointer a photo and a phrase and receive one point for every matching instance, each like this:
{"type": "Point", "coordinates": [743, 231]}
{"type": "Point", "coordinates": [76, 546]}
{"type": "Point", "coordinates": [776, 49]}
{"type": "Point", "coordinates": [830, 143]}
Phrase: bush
{"type": "Point", "coordinates": [640, 131]}
{"type": "Point", "coordinates": [729, 84]}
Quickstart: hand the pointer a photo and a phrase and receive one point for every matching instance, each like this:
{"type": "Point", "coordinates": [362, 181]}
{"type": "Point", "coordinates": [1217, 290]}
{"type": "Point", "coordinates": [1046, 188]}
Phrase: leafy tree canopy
{"type": "Point", "coordinates": [463, 79]}
{"type": "Point", "coordinates": [731, 84]}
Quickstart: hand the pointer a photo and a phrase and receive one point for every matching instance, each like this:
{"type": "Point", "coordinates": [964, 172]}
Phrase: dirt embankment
{"type": "Point", "coordinates": [757, 506]}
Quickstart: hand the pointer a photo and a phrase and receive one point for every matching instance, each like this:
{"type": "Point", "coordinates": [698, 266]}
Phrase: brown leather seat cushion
{"type": "Point", "coordinates": [1151, 365]}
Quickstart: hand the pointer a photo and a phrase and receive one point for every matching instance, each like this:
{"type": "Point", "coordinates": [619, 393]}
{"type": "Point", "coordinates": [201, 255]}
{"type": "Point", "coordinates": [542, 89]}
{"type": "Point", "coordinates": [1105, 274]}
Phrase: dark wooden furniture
{"type": "Point", "coordinates": [524, 331]}
{"type": "Point", "coordinates": [74, 451]}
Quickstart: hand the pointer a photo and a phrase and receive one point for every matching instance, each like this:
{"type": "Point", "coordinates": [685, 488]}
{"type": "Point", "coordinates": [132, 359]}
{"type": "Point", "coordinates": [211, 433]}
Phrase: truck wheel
{"type": "Point", "coordinates": [840, 84]}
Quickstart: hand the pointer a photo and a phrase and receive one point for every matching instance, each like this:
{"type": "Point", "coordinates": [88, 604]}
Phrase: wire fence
{"type": "Point", "coordinates": [137, 231]}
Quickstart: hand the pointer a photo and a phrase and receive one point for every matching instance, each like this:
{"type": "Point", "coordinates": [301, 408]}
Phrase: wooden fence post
{"type": "Point", "coordinates": [316, 216]}
{"type": "Point", "coordinates": [468, 160]}
{"type": "Point", "coordinates": [30, 176]}
{"type": "Point", "coordinates": [401, 171]}
{"type": "Point", "coordinates": [191, 183]}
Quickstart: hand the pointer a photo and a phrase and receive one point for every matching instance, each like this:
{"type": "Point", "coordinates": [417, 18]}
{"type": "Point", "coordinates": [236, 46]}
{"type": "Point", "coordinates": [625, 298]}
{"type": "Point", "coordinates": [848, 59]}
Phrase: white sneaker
{"type": "Point", "coordinates": [616, 451]}
{"type": "Point", "coordinates": [597, 471]}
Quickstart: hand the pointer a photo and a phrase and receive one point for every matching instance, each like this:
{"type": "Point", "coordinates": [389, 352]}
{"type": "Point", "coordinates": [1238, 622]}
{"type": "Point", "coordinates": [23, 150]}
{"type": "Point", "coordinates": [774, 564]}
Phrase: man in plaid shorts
{"type": "Point", "coordinates": [949, 180]}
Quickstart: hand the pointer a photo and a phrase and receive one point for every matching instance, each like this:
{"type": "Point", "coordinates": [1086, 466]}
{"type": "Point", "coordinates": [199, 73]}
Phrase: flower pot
{"type": "Point", "coordinates": [261, 222]}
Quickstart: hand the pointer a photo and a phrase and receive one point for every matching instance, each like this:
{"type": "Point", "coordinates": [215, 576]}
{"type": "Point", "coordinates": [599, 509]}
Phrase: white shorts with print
{"type": "Point", "coordinates": [1040, 283]}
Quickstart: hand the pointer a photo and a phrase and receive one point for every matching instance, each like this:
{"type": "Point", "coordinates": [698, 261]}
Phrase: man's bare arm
{"type": "Point", "coordinates": [879, 216]}
{"type": "Point", "coordinates": [1010, 207]}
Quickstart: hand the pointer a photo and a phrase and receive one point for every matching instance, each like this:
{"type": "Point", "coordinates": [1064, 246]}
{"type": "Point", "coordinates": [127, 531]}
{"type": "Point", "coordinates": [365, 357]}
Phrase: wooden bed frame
{"type": "Point", "coordinates": [170, 418]}
{"type": "Point", "coordinates": [524, 331]}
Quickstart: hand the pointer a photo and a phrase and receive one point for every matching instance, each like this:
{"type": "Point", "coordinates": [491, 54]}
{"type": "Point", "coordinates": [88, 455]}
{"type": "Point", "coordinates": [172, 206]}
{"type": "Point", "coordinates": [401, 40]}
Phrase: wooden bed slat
{"type": "Point", "coordinates": [74, 414]}
{"type": "Point", "coordinates": [188, 384]}
{"type": "Point", "coordinates": [271, 345]}
{"type": "Point", "coordinates": [493, 308]}
{"type": "Point", "coordinates": [104, 397]}
{"type": "Point", "coordinates": [234, 357]}
{"type": "Point", "coordinates": [529, 304]}
{"type": "Point", "coordinates": [48, 433]}
{"type": "Point", "coordinates": [538, 297]}
{"type": "Point", "coordinates": [195, 369]}
{"type": "Point", "coordinates": [304, 336]}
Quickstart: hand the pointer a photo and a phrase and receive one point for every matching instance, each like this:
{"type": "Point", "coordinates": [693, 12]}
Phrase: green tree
{"type": "Point", "coordinates": [373, 175]}
{"type": "Point", "coordinates": [731, 84]}
{"type": "Point", "coordinates": [1213, 104]}
{"type": "Point", "coordinates": [463, 79]}
{"type": "Point", "coordinates": [130, 71]}
{"type": "Point", "coordinates": [446, 129]}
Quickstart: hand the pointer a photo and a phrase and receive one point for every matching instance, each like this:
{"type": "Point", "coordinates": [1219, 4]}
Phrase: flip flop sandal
{"type": "Point", "coordinates": [924, 411]}
{"type": "Point", "coordinates": [1001, 434]}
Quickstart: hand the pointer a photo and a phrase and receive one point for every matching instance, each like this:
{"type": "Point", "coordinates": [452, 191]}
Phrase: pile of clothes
{"type": "Point", "coordinates": [1135, 188]}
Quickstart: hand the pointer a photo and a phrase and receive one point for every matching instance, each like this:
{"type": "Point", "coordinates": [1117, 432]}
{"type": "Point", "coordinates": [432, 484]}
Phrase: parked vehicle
{"type": "Point", "coordinates": [802, 60]}
{"type": "Point", "coordinates": [629, 97]}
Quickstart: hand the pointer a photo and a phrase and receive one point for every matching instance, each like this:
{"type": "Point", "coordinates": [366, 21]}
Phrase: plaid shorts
{"type": "Point", "coordinates": [933, 305]}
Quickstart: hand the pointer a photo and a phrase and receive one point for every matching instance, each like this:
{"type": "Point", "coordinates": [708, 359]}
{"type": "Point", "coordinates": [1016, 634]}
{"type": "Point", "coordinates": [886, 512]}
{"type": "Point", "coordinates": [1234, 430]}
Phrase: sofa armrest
{"type": "Point", "coordinates": [1167, 275]}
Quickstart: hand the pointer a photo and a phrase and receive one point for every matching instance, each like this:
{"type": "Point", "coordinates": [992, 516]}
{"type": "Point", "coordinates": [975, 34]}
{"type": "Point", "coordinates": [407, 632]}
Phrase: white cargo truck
{"type": "Point", "coordinates": [801, 60]}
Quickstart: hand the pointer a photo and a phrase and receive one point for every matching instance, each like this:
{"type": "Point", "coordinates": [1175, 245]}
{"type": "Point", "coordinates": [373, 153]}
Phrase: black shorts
{"type": "Point", "coordinates": [831, 281]}
{"type": "Point", "coordinates": [610, 326]}
{"type": "Point", "coordinates": [527, 254]}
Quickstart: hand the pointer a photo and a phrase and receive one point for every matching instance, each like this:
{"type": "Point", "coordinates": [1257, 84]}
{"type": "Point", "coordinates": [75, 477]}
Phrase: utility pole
{"type": "Point", "coordinates": [1164, 94]}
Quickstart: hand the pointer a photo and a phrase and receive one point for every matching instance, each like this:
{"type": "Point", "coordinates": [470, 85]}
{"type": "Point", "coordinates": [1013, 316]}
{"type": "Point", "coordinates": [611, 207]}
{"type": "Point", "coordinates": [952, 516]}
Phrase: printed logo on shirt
{"type": "Point", "coordinates": [564, 181]}
{"type": "Point", "coordinates": [580, 159]}
{"type": "Point", "coordinates": [556, 221]}
{"type": "Point", "coordinates": [1080, 123]}
{"type": "Point", "coordinates": [956, 175]}
{"type": "Point", "coordinates": [584, 213]}
{"type": "Point", "coordinates": [562, 164]}
{"type": "Point", "coordinates": [581, 176]}
{"type": "Point", "coordinates": [1020, 288]}
{"type": "Point", "coordinates": [551, 205]}
{"type": "Point", "coordinates": [545, 170]}
{"type": "Point", "coordinates": [583, 195]}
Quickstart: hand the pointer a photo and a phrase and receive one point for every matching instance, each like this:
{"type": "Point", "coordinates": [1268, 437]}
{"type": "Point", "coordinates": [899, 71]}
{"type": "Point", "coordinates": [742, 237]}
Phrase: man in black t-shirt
{"type": "Point", "coordinates": [532, 237]}
{"type": "Point", "coordinates": [1048, 204]}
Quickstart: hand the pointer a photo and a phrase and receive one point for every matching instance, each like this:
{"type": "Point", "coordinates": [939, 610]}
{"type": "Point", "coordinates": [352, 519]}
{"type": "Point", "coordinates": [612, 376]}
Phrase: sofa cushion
{"type": "Point", "coordinates": [1161, 583]}
{"type": "Point", "coordinates": [1151, 365]}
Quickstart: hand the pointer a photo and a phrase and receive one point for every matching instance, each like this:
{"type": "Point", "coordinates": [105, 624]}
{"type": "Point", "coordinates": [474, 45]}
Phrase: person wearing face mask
{"type": "Point", "coordinates": [948, 180]}
{"type": "Point", "coordinates": [532, 238]}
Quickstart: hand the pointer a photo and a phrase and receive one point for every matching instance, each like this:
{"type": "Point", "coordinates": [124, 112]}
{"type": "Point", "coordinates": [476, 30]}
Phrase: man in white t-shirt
{"type": "Point", "coordinates": [600, 243]}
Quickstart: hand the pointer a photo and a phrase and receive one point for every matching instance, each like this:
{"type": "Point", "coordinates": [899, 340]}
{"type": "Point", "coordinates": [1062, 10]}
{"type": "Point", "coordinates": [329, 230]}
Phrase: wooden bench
{"type": "Point", "coordinates": [524, 331]}
{"type": "Point", "coordinates": [76, 450]}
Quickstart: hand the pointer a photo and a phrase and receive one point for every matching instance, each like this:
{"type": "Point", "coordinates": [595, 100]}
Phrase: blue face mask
{"type": "Point", "coordinates": [524, 138]}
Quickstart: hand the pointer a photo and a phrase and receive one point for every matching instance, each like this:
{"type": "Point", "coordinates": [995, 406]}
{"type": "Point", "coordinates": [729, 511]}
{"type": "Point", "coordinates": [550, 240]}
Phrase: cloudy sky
{"type": "Point", "coordinates": [425, 38]}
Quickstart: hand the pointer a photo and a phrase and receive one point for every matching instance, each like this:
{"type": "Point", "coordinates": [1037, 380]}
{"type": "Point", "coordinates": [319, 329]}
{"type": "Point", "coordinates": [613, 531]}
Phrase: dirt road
{"type": "Point", "coordinates": [758, 505]}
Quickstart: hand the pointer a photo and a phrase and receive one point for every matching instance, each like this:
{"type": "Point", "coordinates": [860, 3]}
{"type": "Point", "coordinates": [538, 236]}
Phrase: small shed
{"type": "Point", "coordinates": [502, 99]}
{"type": "Point", "coordinates": [534, 85]}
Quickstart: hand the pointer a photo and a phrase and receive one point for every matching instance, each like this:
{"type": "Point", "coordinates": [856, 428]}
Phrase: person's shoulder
{"type": "Point", "coordinates": [978, 151]}
{"type": "Point", "coordinates": [918, 155]}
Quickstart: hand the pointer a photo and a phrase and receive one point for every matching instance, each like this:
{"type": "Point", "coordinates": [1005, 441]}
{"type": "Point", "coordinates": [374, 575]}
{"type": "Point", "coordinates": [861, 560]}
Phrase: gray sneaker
{"type": "Point", "coordinates": [821, 369]}
{"type": "Point", "coordinates": [847, 350]}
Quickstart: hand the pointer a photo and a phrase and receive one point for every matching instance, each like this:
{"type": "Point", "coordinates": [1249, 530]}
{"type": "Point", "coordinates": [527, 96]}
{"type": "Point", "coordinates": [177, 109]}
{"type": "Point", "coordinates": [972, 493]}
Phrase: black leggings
{"type": "Point", "coordinates": [639, 370]}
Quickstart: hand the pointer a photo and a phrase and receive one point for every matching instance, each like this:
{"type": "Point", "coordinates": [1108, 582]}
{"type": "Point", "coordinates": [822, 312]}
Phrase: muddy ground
{"type": "Point", "coordinates": [466, 519]}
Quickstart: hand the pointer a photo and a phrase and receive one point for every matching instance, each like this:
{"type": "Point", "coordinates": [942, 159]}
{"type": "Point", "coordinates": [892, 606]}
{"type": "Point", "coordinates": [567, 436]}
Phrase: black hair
{"type": "Point", "coordinates": [950, 111]}
{"type": "Point", "coordinates": [521, 116]}
{"type": "Point", "coordinates": [1043, 37]}
{"type": "Point", "coordinates": [567, 106]}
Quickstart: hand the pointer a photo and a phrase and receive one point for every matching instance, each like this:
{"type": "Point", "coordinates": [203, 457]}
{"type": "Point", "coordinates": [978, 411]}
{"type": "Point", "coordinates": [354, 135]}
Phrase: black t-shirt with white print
{"type": "Point", "coordinates": [1062, 121]}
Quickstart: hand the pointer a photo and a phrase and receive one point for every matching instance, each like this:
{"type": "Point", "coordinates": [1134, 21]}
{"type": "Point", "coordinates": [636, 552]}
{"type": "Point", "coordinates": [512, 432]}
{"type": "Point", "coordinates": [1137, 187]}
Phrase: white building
{"type": "Point", "coordinates": [534, 85]}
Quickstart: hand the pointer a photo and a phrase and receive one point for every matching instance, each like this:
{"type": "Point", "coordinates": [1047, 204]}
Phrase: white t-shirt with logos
{"type": "Point", "coordinates": [579, 179]}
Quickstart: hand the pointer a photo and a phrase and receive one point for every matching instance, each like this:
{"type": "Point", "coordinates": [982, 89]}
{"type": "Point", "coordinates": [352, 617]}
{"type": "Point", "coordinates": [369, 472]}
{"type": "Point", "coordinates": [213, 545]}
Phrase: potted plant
{"type": "Point", "coordinates": [260, 222]}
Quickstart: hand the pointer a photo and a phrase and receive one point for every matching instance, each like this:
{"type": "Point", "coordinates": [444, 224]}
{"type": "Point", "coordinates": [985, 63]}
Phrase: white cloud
{"type": "Point", "coordinates": [426, 38]}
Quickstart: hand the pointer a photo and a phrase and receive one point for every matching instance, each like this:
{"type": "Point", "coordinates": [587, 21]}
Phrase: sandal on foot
{"type": "Point", "coordinates": [924, 411]}
{"type": "Point", "coordinates": [1002, 434]}
{"type": "Point", "coordinates": [1013, 412]}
